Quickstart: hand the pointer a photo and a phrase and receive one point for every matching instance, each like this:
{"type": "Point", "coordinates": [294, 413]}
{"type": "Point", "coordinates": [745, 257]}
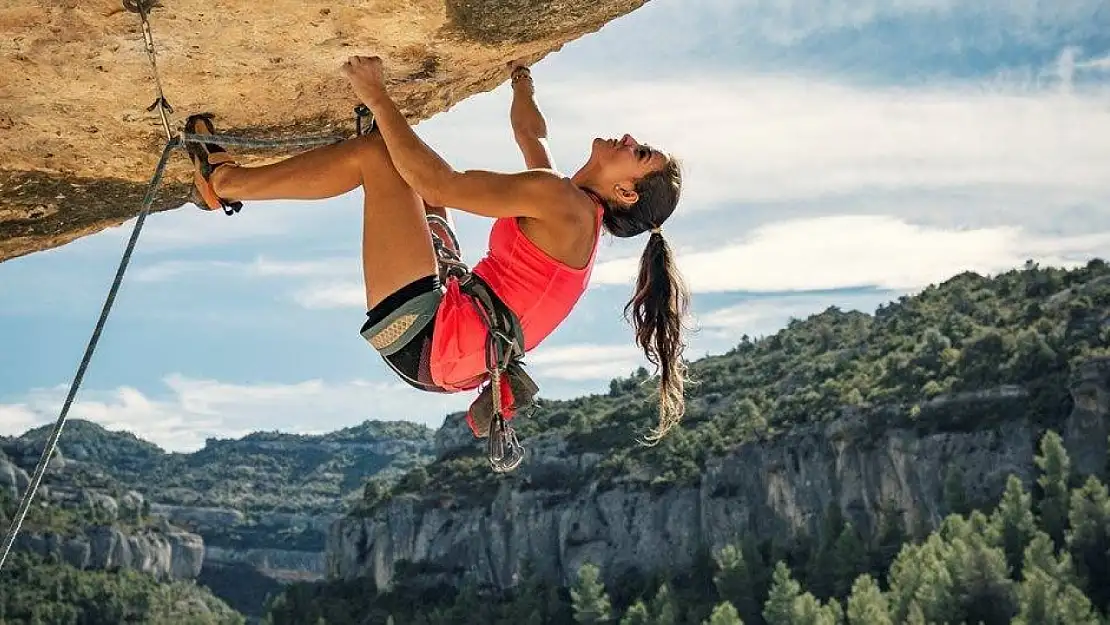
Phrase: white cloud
{"type": "Point", "coordinates": [1101, 64]}
{"type": "Point", "coordinates": [260, 267]}
{"type": "Point", "coordinates": [173, 269]}
{"type": "Point", "coordinates": [332, 295]}
{"type": "Point", "coordinates": [854, 251]}
{"type": "Point", "coordinates": [311, 268]}
{"type": "Point", "coordinates": [751, 138]}
{"type": "Point", "coordinates": [17, 418]}
{"type": "Point", "coordinates": [194, 410]}
{"type": "Point", "coordinates": [585, 362]}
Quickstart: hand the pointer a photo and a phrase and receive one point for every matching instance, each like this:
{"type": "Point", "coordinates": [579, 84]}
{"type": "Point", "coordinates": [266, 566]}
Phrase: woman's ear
{"type": "Point", "coordinates": [626, 193]}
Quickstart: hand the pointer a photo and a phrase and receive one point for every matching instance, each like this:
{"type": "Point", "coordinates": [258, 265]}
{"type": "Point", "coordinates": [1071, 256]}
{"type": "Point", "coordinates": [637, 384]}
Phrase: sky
{"type": "Point", "coordinates": [835, 154]}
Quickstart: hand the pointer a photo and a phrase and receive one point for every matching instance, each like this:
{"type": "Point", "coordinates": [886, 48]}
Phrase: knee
{"type": "Point", "coordinates": [372, 158]}
{"type": "Point", "coordinates": [370, 148]}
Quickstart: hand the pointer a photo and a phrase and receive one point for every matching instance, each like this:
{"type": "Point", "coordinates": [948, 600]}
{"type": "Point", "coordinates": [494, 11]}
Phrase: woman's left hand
{"type": "Point", "coordinates": [367, 77]}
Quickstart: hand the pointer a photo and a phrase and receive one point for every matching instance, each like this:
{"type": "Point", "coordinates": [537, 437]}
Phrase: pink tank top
{"type": "Point", "coordinates": [541, 290]}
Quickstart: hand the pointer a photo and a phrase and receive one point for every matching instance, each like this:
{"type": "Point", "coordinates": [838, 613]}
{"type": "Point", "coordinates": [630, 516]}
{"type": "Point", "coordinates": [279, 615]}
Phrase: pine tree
{"type": "Point", "coordinates": [849, 559]}
{"type": "Point", "coordinates": [724, 614]}
{"type": "Point", "coordinates": [981, 586]}
{"type": "Point", "coordinates": [527, 606]}
{"type": "Point", "coordinates": [637, 614]}
{"type": "Point", "coordinates": [1055, 468]}
{"type": "Point", "coordinates": [915, 615]}
{"type": "Point", "coordinates": [1088, 539]}
{"type": "Point", "coordinates": [1036, 598]}
{"type": "Point", "coordinates": [867, 605]}
{"type": "Point", "coordinates": [735, 583]}
{"type": "Point", "coordinates": [1074, 608]}
{"type": "Point", "coordinates": [588, 597]}
{"type": "Point", "coordinates": [663, 610]}
{"type": "Point", "coordinates": [808, 610]}
{"type": "Point", "coordinates": [1048, 594]}
{"type": "Point", "coordinates": [779, 607]}
{"type": "Point", "coordinates": [1014, 524]}
{"type": "Point", "coordinates": [892, 536]}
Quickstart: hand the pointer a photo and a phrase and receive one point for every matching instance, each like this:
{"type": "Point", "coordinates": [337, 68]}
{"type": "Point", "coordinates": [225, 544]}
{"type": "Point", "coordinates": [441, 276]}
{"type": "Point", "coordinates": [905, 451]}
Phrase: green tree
{"type": "Point", "coordinates": [527, 604]}
{"type": "Point", "coordinates": [637, 614]}
{"type": "Point", "coordinates": [981, 588]}
{"type": "Point", "coordinates": [1013, 523]}
{"type": "Point", "coordinates": [724, 614]}
{"type": "Point", "coordinates": [779, 607]}
{"type": "Point", "coordinates": [849, 559]}
{"type": "Point", "coordinates": [663, 609]}
{"type": "Point", "coordinates": [588, 597]}
{"type": "Point", "coordinates": [1055, 468]}
{"type": "Point", "coordinates": [735, 583]}
{"type": "Point", "coordinates": [1048, 594]}
{"type": "Point", "coordinates": [808, 610]}
{"type": "Point", "coordinates": [915, 615]}
{"type": "Point", "coordinates": [1088, 539]}
{"type": "Point", "coordinates": [866, 604]}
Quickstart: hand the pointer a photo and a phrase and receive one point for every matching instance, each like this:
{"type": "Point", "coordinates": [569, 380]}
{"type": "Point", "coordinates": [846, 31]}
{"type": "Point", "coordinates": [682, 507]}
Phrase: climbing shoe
{"type": "Point", "coordinates": [206, 157]}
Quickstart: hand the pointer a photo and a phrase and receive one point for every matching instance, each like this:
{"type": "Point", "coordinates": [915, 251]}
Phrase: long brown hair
{"type": "Point", "coordinates": [661, 299]}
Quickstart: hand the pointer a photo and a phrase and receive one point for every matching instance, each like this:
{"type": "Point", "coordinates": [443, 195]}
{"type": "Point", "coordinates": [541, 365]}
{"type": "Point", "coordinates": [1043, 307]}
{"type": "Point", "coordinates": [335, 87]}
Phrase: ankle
{"type": "Point", "coordinates": [223, 183]}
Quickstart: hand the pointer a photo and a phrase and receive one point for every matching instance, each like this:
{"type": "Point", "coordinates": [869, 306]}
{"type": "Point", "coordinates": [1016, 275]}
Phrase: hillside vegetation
{"type": "Point", "coordinates": [36, 591]}
{"type": "Point", "coordinates": [265, 471]}
{"type": "Point", "coordinates": [1025, 328]}
{"type": "Point", "coordinates": [1033, 557]}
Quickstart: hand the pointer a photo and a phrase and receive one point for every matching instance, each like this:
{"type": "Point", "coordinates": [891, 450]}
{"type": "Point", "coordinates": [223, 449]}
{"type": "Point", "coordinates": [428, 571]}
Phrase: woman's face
{"type": "Point", "coordinates": [621, 162]}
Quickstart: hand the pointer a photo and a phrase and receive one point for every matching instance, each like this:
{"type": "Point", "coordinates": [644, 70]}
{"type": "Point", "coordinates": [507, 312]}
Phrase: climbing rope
{"type": "Point", "coordinates": [141, 7]}
{"type": "Point", "coordinates": [505, 452]}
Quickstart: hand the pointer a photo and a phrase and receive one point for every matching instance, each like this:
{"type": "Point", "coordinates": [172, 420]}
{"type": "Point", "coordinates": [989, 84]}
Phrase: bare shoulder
{"type": "Point", "coordinates": [564, 199]}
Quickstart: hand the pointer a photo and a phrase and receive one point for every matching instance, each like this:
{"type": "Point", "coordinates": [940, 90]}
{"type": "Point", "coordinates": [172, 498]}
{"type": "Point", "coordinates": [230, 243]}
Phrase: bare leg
{"type": "Point", "coordinates": [396, 243]}
{"type": "Point", "coordinates": [317, 174]}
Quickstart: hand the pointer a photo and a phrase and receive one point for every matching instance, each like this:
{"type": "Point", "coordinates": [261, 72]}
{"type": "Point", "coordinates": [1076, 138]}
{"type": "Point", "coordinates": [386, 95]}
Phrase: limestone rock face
{"type": "Point", "coordinates": [781, 487]}
{"type": "Point", "coordinates": [80, 148]}
{"type": "Point", "coordinates": [13, 479]}
{"type": "Point", "coordinates": [171, 554]}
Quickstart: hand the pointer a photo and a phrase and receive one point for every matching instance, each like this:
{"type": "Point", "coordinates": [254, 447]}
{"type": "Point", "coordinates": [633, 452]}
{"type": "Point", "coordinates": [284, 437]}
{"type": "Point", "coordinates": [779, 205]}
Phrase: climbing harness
{"type": "Point", "coordinates": [509, 388]}
{"type": "Point", "coordinates": [504, 345]}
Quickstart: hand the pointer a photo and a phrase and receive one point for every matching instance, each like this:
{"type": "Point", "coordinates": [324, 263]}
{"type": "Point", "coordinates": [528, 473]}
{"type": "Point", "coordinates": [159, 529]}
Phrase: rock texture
{"type": "Point", "coordinates": [167, 554]}
{"type": "Point", "coordinates": [13, 479]}
{"type": "Point", "coordinates": [780, 487]}
{"type": "Point", "coordinates": [79, 146]}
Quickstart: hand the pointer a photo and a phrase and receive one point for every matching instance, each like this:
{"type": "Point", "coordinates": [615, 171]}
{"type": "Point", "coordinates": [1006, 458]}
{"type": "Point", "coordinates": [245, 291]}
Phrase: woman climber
{"type": "Point", "coordinates": [542, 246]}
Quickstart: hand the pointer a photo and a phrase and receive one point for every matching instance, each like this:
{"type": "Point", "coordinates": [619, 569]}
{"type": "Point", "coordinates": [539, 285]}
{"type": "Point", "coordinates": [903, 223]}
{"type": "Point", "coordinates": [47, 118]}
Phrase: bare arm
{"type": "Point", "coordinates": [529, 125]}
{"type": "Point", "coordinates": [537, 193]}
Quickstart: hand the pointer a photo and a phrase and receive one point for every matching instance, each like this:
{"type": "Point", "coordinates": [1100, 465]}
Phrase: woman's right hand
{"type": "Point", "coordinates": [518, 71]}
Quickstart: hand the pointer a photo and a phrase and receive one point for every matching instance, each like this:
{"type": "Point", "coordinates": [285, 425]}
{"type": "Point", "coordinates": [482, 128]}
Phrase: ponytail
{"type": "Point", "coordinates": [661, 299]}
{"type": "Point", "coordinates": [656, 312]}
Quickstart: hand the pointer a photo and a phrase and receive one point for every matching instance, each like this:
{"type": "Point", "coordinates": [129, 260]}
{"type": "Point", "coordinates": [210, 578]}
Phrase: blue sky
{"type": "Point", "coordinates": [837, 154]}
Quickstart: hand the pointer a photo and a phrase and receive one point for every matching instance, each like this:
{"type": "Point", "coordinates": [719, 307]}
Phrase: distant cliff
{"type": "Point", "coordinates": [163, 554]}
{"type": "Point", "coordinates": [116, 501]}
{"type": "Point", "coordinates": [882, 416]}
{"type": "Point", "coordinates": [92, 530]}
{"type": "Point", "coordinates": [775, 488]}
